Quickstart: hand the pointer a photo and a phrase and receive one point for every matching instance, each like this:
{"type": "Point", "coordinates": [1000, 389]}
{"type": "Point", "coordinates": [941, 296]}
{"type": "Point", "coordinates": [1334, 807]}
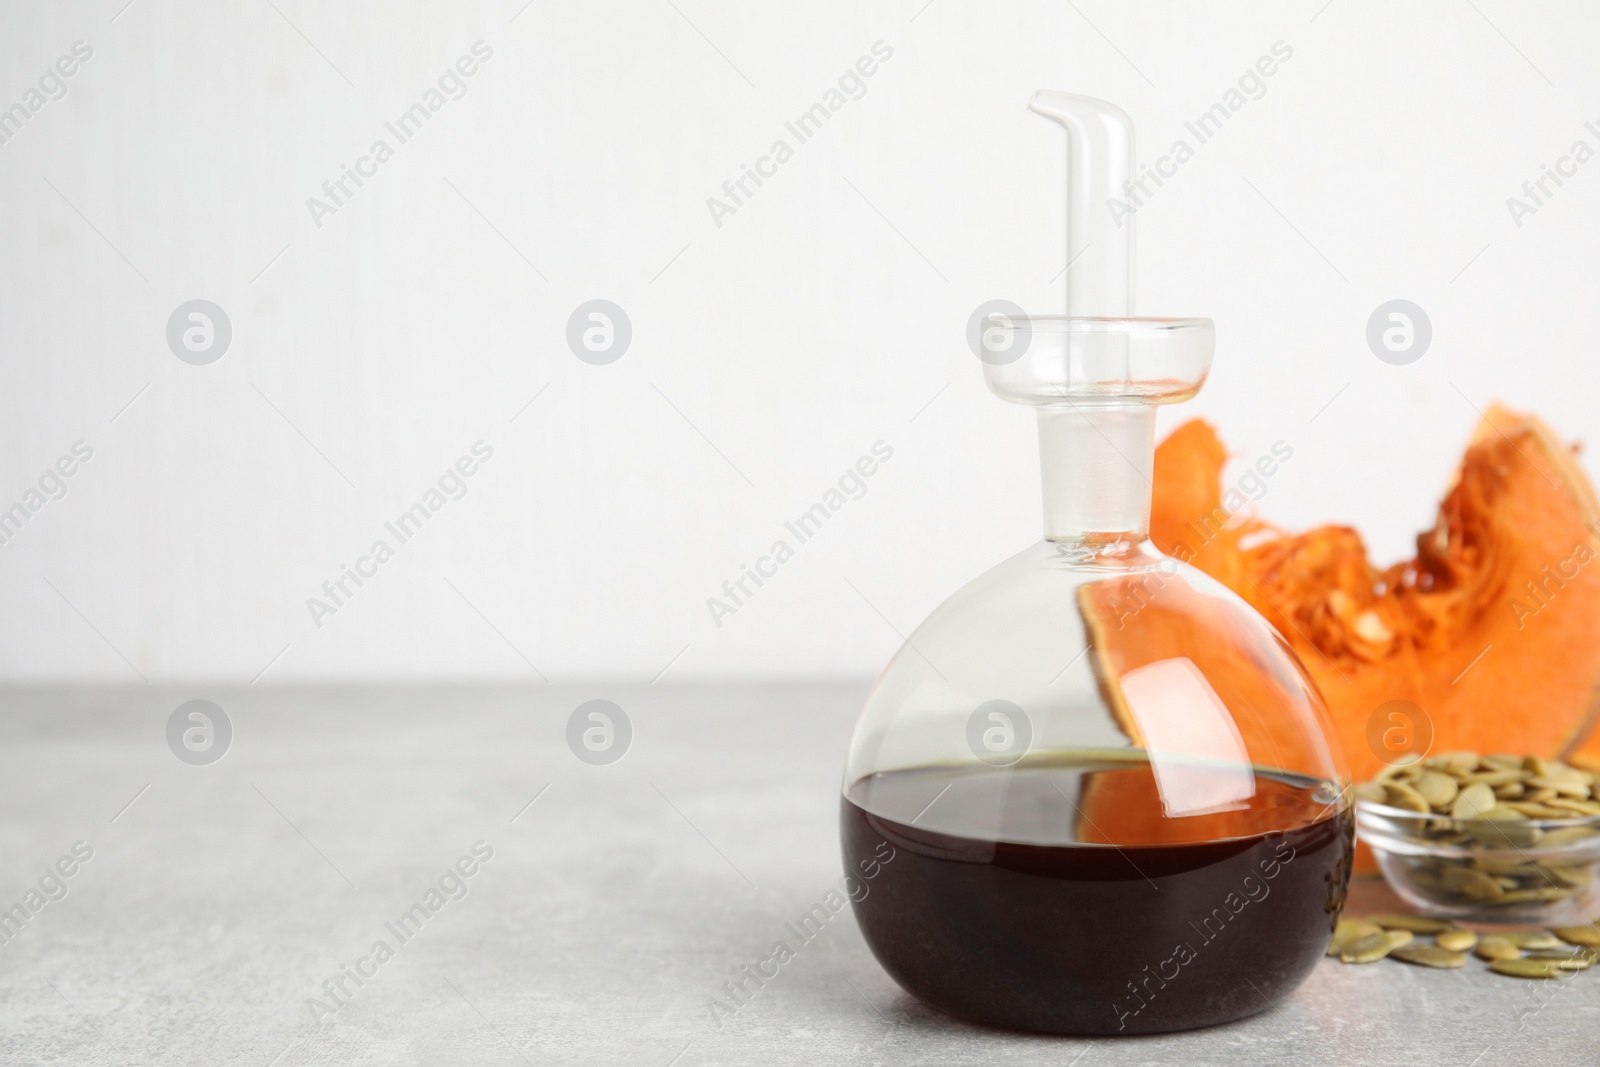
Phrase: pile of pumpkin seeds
{"type": "Point", "coordinates": [1537, 954]}
{"type": "Point", "coordinates": [1494, 804]}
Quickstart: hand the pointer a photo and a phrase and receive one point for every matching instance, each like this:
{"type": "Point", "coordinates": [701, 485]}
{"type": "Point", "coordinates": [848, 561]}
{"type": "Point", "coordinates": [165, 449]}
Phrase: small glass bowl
{"type": "Point", "coordinates": [1543, 872]}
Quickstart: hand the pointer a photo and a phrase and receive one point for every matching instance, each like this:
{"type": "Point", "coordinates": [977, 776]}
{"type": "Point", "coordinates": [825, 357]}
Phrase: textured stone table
{"type": "Point", "coordinates": [220, 898]}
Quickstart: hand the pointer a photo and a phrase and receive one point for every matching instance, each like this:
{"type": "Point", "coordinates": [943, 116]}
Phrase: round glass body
{"type": "Point", "coordinates": [1095, 793]}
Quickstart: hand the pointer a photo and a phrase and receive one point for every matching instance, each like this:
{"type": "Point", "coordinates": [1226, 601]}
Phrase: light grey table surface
{"type": "Point", "coordinates": [220, 899]}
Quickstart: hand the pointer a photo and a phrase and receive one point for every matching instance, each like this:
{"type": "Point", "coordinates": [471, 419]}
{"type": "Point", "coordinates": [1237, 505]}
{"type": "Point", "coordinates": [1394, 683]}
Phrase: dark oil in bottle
{"type": "Point", "coordinates": [1064, 895]}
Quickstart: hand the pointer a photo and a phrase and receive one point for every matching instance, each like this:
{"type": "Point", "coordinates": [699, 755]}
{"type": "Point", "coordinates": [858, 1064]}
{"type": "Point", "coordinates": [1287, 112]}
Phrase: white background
{"type": "Point", "coordinates": [823, 316]}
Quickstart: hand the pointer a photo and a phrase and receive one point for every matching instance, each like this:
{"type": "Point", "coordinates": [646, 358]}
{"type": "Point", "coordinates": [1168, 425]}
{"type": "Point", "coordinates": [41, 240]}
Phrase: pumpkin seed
{"type": "Point", "coordinates": [1428, 956]}
{"type": "Point", "coordinates": [1504, 813]}
{"type": "Point", "coordinates": [1351, 930]}
{"type": "Point", "coordinates": [1416, 924]}
{"type": "Point", "coordinates": [1577, 877]}
{"type": "Point", "coordinates": [1573, 787]}
{"type": "Point", "coordinates": [1471, 883]}
{"type": "Point", "coordinates": [1565, 960]}
{"type": "Point", "coordinates": [1472, 802]}
{"type": "Point", "coordinates": [1542, 893]}
{"type": "Point", "coordinates": [1403, 796]}
{"type": "Point", "coordinates": [1495, 947]}
{"type": "Point", "coordinates": [1538, 811]}
{"type": "Point", "coordinates": [1581, 807]}
{"type": "Point", "coordinates": [1460, 940]}
{"type": "Point", "coordinates": [1579, 935]}
{"type": "Point", "coordinates": [1494, 778]}
{"type": "Point", "coordinates": [1503, 833]}
{"type": "Point", "coordinates": [1530, 940]}
{"type": "Point", "coordinates": [1567, 835]}
{"type": "Point", "coordinates": [1367, 949]}
{"type": "Point", "coordinates": [1526, 968]}
{"type": "Point", "coordinates": [1535, 765]}
{"type": "Point", "coordinates": [1437, 789]}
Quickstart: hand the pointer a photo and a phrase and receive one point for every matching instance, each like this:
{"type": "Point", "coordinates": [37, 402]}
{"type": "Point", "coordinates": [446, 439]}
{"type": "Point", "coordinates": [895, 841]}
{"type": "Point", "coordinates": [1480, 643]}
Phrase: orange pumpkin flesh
{"type": "Point", "coordinates": [1493, 630]}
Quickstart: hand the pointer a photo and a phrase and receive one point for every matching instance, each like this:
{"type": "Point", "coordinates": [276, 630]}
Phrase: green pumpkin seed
{"type": "Point", "coordinates": [1437, 789]}
{"type": "Point", "coordinates": [1567, 835]}
{"type": "Point", "coordinates": [1588, 936]}
{"type": "Point", "coordinates": [1428, 956]}
{"type": "Point", "coordinates": [1367, 949]}
{"type": "Point", "coordinates": [1472, 802]}
{"type": "Point", "coordinates": [1532, 939]}
{"type": "Point", "coordinates": [1459, 940]}
{"type": "Point", "coordinates": [1573, 786]}
{"type": "Point", "coordinates": [1515, 833]}
{"type": "Point", "coordinates": [1503, 813]}
{"type": "Point", "coordinates": [1494, 778]}
{"type": "Point", "coordinates": [1543, 893]}
{"type": "Point", "coordinates": [1526, 968]}
{"type": "Point", "coordinates": [1495, 947]}
{"type": "Point", "coordinates": [1567, 961]}
{"type": "Point", "coordinates": [1578, 877]}
{"type": "Point", "coordinates": [1538, 811]}
{"type": "Point", "coordinates": [1374, 947]}
{"type": "Point", "coordinates": [1577, 807]}
{"type": "Point", "coordinates": [1403, 796]}
{"type": "Point", "coordinates": [1349, 931]}
{"type": "Point", "coordinates": [1472, 884]}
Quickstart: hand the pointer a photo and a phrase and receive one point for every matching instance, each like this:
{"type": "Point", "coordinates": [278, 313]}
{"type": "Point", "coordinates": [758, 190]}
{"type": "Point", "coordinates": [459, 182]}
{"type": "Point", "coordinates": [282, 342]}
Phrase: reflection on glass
{"type": "Point", "coordinates": [1197, 752]}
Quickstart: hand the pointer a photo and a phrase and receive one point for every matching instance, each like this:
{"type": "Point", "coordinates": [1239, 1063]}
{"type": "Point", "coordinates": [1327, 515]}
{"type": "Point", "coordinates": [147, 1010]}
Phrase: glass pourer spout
{"type": "Point", "coordinates": [1095, 372]}
{"type": "Point", "coordinates": [1099, 162]}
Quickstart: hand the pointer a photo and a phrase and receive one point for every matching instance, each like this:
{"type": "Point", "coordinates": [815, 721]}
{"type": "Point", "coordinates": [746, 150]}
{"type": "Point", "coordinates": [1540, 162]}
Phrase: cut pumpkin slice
{"type": "Point", "coordinates": [1493, 630]}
